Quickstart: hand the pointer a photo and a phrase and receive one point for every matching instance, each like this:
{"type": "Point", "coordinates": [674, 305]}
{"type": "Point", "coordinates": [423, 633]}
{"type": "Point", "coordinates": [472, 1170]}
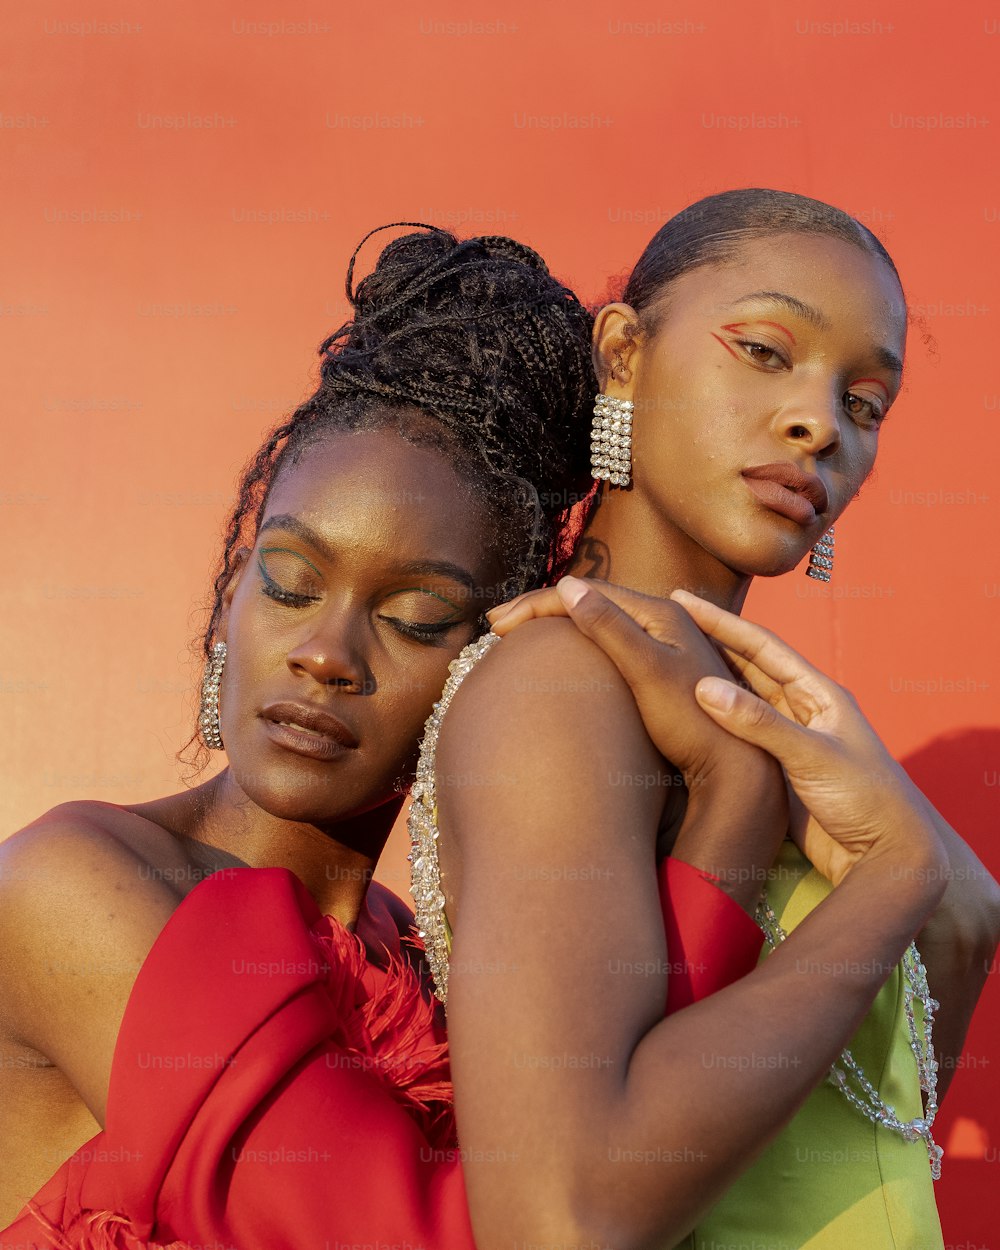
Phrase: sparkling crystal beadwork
{"type": "Point", "coordinates": [611, 440]}
{"type": "Point", "coordinates": [866, 1097]}
{"type": "Point", "coordinates": [820, 564]}
{"type": "Point", "coordinates": [208, 718]}
{"type": "Point", "coordinates": [425, 874]}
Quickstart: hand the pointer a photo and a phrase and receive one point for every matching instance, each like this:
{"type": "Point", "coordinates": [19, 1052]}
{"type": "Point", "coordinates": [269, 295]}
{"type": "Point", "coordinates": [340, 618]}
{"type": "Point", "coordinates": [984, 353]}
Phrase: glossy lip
{"type": "Point", "coordinates": [307, 730]}
{"type": "Point", "coordinates": [785, 488]}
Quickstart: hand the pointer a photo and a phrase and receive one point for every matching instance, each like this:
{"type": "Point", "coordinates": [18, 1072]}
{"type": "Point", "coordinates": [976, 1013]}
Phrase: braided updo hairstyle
{"type": "Point", "coordinates": [470, 346]}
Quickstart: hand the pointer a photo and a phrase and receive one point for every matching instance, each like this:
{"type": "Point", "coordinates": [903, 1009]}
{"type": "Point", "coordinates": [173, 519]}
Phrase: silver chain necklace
{"type": "Point", "coordinates": [866, 1098]}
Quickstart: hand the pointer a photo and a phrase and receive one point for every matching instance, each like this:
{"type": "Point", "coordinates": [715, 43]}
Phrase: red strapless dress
{"type": "Point", "coordinates": [274, 1088]}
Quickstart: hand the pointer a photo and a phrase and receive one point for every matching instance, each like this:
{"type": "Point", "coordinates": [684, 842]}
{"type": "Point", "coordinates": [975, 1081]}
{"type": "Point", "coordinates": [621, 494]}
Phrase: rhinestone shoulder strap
{"type": "Point", "coordinates": [425, 874]}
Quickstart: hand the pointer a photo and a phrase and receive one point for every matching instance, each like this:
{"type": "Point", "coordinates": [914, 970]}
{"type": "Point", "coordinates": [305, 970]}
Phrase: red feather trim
{"type": "Point", "coordinates": [389, 1031]}
{"type": "Point", "coordinates": [99, 1230]}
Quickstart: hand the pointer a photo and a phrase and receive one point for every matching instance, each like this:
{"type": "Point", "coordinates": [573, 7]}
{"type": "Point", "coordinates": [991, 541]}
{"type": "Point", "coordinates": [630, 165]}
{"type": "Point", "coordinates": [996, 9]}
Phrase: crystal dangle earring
{"type": "Point", "coordinates": [208, 719]}
{"type": "Point", "coordinates": [820, 564]}
{"type": "Point", "coordinates": [611, 440]}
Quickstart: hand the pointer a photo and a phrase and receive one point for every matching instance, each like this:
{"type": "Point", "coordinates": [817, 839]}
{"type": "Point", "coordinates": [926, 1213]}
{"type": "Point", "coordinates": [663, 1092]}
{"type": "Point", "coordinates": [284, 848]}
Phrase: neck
{"type": "Point", "coordinates": [628, 543]}
{"type": "Point", "coordinates": [335, 861]}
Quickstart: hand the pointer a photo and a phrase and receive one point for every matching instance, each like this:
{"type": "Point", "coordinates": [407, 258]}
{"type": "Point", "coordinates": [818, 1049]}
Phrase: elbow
{"type": "Point", "coordinates": [585, 1233]}
{"type": "Point", "coordinates": [982, 922]}
{"type": "Point", "coordinates": [576, 1216]}
{"type": "Point", "coordinates": [968, 921]}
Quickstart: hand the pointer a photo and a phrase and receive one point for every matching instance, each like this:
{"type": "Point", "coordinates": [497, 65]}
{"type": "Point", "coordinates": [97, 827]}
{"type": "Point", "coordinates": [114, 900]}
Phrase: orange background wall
{"type": "Point", "coordinates": [183, 185]}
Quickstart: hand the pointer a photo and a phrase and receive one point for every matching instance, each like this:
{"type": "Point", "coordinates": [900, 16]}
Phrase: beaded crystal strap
{"type": "Point", "coordinates": [871, 1106]}
{"type": "Point", "coordinates": [425, 874]}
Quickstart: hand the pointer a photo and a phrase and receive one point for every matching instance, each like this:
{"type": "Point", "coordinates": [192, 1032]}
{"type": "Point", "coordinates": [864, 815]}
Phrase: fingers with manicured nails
{"type": "Point", "coordinates": [754, 643]}
{"type": "Point", "coordinates": [645, 609]}
{"type": "Point", "coordinates": [775, 670]}
{"type": "Point", "coordinates": [747, 716]}
{"type": "Point", "coordinates": [601, 620]}
{"type": "Point", "coordinates": [526, 607]}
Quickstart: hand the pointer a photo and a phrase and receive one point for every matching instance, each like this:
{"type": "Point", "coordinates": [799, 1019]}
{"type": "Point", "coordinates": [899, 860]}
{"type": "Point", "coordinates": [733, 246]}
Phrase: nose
{"type": "Point", "coordinates": [332, 654]}
{"type": "Point", "coordinates": [812, 421]}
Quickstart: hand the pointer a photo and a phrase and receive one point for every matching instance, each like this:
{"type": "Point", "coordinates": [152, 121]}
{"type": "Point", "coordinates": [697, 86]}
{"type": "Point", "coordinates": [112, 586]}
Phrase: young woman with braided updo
{"type": "Point", "coordinates": [212, 978]}
{"type": "Point", "coordinates": [211, 1026]}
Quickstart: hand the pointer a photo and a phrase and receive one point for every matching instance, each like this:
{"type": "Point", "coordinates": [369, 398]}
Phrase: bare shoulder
{"type": "Point", "coordinates": [546, 697]}
{"type": "Point", "coordinates": [544, 667]}
{"type": "Point", "coordinates": [533, 738]}
{"type": "Point", "coordinates": [79, 853]}
{"type": "Point", "coordinates": [80, 907]}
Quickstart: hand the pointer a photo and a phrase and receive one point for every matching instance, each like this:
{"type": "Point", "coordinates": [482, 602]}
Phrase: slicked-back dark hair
{"type": "Point", "coordinates": [713, 230]}
{"type": "Point", "coordinates": [470, 346]}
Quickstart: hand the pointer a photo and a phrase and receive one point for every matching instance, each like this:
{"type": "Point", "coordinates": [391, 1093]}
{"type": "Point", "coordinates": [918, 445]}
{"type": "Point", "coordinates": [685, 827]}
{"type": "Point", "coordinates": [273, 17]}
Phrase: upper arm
{"type": "Point", "coordinates": [548, 810]}
{"type": "Point", "coordinates": [79, 912]}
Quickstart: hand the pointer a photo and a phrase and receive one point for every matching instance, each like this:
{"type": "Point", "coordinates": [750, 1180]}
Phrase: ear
{"type": "Point", "coordinates": [616, 342]}
{"type": "Point", "coordinates": [239, 566]}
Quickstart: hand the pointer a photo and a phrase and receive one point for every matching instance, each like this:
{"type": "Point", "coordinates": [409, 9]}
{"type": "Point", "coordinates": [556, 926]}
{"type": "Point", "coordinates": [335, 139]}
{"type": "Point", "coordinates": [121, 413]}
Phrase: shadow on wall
{"type": "Point", "coordinates": [960, 773]}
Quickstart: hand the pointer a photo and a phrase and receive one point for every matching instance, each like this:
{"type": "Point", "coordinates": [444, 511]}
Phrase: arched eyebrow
{"type": "Point", "coordinates": [293, 525]}
{"type": "Point", "coordinates": [806, 311]}
{"type": "Point", "coordinates": [427, 568]}
{"type": "Point", "coordinates": [886, 358]}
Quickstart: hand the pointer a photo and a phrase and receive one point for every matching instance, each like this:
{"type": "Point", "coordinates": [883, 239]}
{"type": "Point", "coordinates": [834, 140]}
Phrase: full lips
{"type": "Point", "coordinates": [310, 743]}
{"type": "Point", "coordinates": [782, 500]}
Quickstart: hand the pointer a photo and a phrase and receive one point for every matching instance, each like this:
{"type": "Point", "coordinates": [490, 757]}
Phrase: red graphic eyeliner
{"type": "Point", "coordinates": [778, 326]}
{"type": "Point", "coordinates": [736, 325]}
{"type": "Point", "coordinates": [873, 382]}
{"type": "Point", "coordinates": [724, 343]}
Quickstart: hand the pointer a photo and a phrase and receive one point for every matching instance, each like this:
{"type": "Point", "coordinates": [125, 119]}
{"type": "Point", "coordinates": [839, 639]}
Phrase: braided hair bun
{"type": "Point", "coordinates": [470, 344]}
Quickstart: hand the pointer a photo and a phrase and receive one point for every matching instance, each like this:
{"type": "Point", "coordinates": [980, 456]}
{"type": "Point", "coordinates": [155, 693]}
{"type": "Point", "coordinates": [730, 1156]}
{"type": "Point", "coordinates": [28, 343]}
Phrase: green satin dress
{"type": "Point", "coordinates": [833, 1180]}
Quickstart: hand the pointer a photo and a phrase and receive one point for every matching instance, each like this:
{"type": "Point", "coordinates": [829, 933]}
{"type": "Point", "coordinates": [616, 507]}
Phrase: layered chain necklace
{"type": "Point", "coordinates": [862, 1094]}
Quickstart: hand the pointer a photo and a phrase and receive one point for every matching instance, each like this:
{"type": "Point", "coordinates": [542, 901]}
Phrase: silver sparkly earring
{"type": "Point", "coordinates": [820, 564]}
{"type": "Point", "coordinates": [611, 440]}
{"type": "Point", "coordinates": [208, 720]}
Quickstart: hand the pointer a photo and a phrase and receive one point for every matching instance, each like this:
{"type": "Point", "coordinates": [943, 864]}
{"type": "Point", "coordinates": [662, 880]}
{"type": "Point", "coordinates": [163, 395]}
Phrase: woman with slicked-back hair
{"type": "Point", "coordinates": [745, 376]}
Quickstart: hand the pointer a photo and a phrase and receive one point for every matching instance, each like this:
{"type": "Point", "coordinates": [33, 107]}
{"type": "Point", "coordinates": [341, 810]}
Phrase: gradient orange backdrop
{"type": "Point", "coordinates": [183, 185]}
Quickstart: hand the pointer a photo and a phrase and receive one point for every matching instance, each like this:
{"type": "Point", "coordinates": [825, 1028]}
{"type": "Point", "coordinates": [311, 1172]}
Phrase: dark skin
{"type": "Point", "coordinates": [760, 361]}
{"type": "Point", "coordinates": [791, 356]}
{"type": "Point", "coordinates": [690, 522]}
{"type": "Point", "coordinates": [732, 378]}
{"type": "Point", "coordinates": [385, 591]}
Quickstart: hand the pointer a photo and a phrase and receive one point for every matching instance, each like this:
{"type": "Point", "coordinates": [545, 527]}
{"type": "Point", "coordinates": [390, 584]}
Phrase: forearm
{"type": "Point", "coordinates": [700, 1094]}
{"type": "Point", "coordinates": [708, 1095]}
{"type": "Point", "coordinates": [957, 945]}
{"type": "Point", "coordinates": [563, 1064]}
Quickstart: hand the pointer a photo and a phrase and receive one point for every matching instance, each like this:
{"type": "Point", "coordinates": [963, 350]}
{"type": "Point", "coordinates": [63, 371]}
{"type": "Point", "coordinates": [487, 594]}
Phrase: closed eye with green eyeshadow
{"type": "Point", "coordinates": [292, 580]}
{"type": "Point", "coordinates": [425, 615]}
{"type": "Point", "coordinates": [288, 577]}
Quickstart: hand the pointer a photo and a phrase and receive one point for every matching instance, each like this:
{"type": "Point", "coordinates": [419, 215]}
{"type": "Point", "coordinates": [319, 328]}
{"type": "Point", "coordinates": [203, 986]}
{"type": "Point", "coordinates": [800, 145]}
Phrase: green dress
{"type": "Point", "coordinates": [832, 1180]}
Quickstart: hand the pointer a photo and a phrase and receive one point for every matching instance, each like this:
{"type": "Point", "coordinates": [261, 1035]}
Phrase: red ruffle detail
{"type": "Point", "coordinates": [100, 1230]}
{"type": "Point", "coordinates": [386, 1026]}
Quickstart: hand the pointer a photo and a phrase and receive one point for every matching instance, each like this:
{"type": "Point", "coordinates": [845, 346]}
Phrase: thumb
{"type": "Point", "coordinates": [745, 715]}
{"type": "Point", "coordinates": [603, 622]}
